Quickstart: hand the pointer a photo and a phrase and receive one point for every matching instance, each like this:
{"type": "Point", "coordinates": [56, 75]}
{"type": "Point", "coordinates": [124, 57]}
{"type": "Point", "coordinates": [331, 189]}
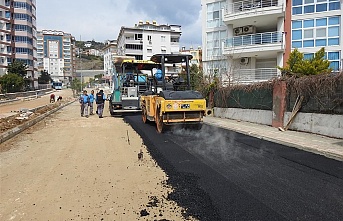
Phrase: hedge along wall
{"type": "Point", "coordinates": [322, 94]}
{"type": "Point", "coordinates": [256, 96]}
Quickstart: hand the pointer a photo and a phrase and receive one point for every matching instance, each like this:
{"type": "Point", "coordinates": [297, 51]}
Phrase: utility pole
{"type": "Point", "coordinates": [80, 65]}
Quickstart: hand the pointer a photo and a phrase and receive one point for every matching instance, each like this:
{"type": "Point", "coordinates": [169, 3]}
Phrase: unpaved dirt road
{"type": "Point", "coordinates": [72, 168]}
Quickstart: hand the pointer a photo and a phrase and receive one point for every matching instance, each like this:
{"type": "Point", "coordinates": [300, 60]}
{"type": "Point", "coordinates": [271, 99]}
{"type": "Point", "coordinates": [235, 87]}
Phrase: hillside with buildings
{"type": "Point", "coordinates": [91, 55]}
{"type": "Point", "coordinates": [89, 62]}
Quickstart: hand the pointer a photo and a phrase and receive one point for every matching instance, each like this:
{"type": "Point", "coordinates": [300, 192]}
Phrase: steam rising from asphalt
{"type": "Point", "coordinates": [210, 142]}
{"type": "Point", "coordinates": [217, 144]}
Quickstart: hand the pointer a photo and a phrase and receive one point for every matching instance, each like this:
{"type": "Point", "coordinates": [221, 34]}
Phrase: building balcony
{"type": "Point", "coordinates": [132, 41]}
{"type": "Point", "coordinates": [246, 76]}
{"type": "Point", "coordinates": [253, 44]}
{"type": "Point", "coordinates": [134, 51]}
{"type": "Point", "coordinates": [252, 11]}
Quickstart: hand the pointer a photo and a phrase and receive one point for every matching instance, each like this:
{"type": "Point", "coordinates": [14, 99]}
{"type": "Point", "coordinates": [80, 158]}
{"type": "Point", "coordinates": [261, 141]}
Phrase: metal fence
{"type": "Point", "coordinates": [260, 98]}
{"type": "Point", "coordinates": [253, 75]}
{"type": "Point", "coordinates": [248, 5]}
{"type": "Point", "coordinates": [255, 39]}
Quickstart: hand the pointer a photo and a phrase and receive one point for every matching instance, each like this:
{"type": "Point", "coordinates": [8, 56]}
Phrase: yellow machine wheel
{"type": "Point", "coordinates": [144, 115]}
{"type": "Point", "coordinates": [159, 121]}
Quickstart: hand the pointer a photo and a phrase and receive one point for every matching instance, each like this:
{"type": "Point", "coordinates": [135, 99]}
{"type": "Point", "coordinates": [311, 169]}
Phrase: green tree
{"type": "Point", "coordinates": [197, 76]}
{"type": "Point", "coordinates": [44, 78]}
{"type": "Point", "coordinates": [17, 67]}
{"type": "Point", "coordinates": [11, 83]}
{"type": "Point", "coordinates": [98, 78]}
{"type": "Point", "coordinates": [76, 86]}
{"type": "Point", "coordinates": [298, 66]}
{"type": "Point", "coordinates": [91, 81]}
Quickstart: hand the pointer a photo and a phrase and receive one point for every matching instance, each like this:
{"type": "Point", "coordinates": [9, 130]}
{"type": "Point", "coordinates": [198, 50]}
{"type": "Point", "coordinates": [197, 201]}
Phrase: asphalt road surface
{"type": "Point", "coordinates": [222, 175]}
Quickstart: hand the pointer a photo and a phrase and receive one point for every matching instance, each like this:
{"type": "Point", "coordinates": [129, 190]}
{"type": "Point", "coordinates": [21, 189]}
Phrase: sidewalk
{"type": "Point", "coordinates": [329, 147]}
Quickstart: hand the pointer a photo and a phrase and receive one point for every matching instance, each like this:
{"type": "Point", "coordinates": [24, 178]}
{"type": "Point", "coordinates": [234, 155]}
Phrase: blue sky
{"type": "Point", "coordinates": [102, 20]}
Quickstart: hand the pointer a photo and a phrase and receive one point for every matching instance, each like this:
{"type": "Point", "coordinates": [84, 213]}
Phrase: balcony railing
{"type": "Point", "coordinates": [255, 39]}
{"type": "Point", "coordinates": [248, 5]}
{"type": "Point", "coordinates": [253, 75]}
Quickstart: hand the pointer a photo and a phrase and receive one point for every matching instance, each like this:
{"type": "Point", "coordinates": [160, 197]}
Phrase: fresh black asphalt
{"type": "Point", "coordinates": [219, 174]}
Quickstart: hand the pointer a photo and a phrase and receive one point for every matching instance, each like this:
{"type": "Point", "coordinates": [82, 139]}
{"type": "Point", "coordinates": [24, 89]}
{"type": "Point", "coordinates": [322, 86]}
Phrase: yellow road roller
{"type": "Point", "coordinates": [170, 100]}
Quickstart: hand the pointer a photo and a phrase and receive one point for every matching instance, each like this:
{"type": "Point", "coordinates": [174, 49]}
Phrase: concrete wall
{"type": "Point", "coordinates": [324, 124]}
{"type": "Point", "coordinates": [250, 115]}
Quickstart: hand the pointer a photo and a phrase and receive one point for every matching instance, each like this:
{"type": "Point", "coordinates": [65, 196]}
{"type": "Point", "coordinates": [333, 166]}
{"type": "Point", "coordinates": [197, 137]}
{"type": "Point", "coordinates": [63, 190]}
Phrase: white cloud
{"type": "Point", "coordinates": [102, 21]}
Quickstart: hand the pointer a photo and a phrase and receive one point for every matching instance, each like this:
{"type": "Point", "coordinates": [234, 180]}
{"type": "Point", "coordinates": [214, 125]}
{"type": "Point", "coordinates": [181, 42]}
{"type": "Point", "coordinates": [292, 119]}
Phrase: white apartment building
{"type": "Point", "coordinates": [18, 35]}
{"type": "Point", "coordinates": [214, 34]}
{"type": "Point", "coordinates": [258, 36]}
{"type": "Point", "coordinates": [109, 51]}
{"type": "Point", "coordinates": [56, 54]}
{"type": "Point", "coordinates": [146, 39]}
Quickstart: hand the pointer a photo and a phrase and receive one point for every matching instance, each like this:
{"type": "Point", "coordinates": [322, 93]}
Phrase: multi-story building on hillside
{"type": "Point", "coordinates": [146, 39]}
{"type": "Point", "coordinates": [196, 53]}
{"type": "Point", "coordinates": [261, 34]}
{"type": "Point", "coordinates": [18, 36]}
{"type": "Point", "coordinates": [109, 51]}
{"type": "Point", "coordinates": [56, 54]}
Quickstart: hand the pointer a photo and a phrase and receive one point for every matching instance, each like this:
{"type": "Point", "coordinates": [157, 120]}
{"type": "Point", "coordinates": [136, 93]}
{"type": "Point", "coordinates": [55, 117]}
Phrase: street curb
{"type": "Point", "coordinates": [17, 130]}
{"type": "Point", "coordinates": [285, 143]}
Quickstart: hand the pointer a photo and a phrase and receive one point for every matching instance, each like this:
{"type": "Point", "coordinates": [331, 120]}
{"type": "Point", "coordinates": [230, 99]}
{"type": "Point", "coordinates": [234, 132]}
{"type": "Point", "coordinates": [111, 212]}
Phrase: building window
{"type": "Point", "coordinates": [7, 14]}
{"type": "Point", "coordinates": [213, 45]}
{"type": "Point", "coordinates": [134, 47]}
{"type": "Point", "coordinates": [163, 38]}
{"type": "Point", "coordinates": [296, 24]}
{"type": "Point", "coordinates": [334, 58]}
{"type": "Point", "coordinates": [308, 56]}
{"type": "Point", "coordinates": [322, 31]}
{"type": "Point", "coordinates": [334, 6]}
{"type": "Point", "coordinates": [334, 21]}
{"type": "Point", "coordinates": [308, 43]}
{"type": "Point", "coordinates": [138, 36]}
{"type": "Point", "coordinates": [333, 41]}
{"type": "Point", "coordinates": [321, 22]}
{"type": "Point", "coordinates": [296, 35]}
{"type": "Point", "coordinates": [308, 23]}
{"type": "Point", "coordinates": [320, 42]}
{"type": "Point", "coordinates": [308, 33]}
{"type": "Point", "coordinates": [297, 10]}
{"type": "Point", "coordinates": [308, 9]}
{"type": "Point", "coordinates": [213, 14]}
{"type": "Point", "coordinates": [297, 2]}
{"type": "Point", "coordinates": [321, 7]}
{"type": "Point", "coordinates": [308, 6]}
